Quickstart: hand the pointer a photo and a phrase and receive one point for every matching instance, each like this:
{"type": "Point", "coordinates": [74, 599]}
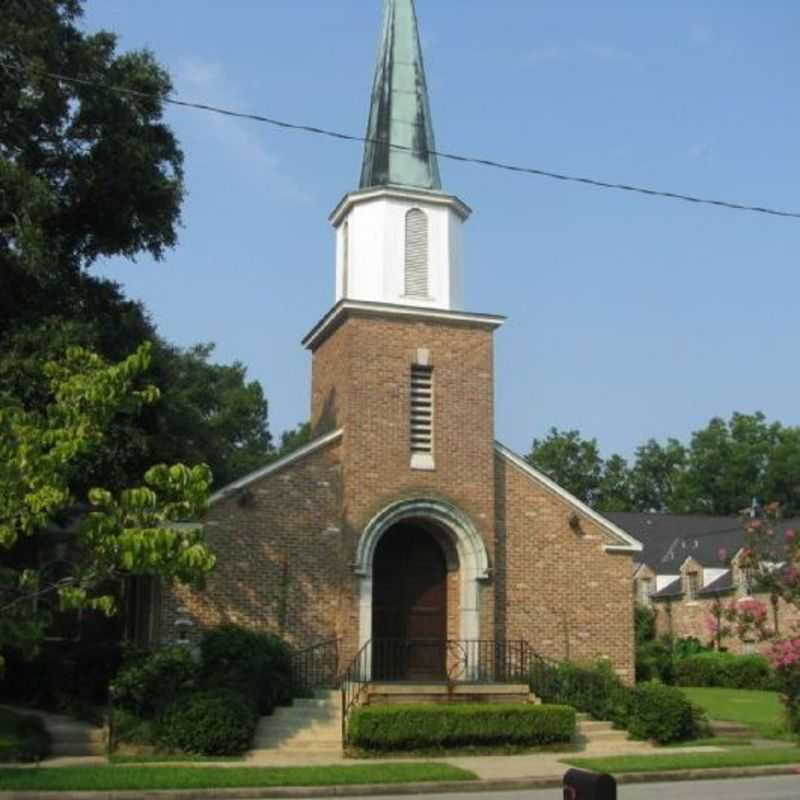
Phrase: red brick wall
{"type": "Point", "coordinates": [279, 557]}
{"type": "Point", "coordinates": [557, 587]}
{"type": "Point", "coordinates": [286, 548]}
{"type": "Point", "coordinates": [361, 381]}
{"type": "Point", "coordinates": [682, 619]}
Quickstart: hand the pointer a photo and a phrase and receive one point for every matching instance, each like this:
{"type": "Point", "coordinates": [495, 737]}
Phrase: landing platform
{"type": "Point", "coordinates": [384, 693]}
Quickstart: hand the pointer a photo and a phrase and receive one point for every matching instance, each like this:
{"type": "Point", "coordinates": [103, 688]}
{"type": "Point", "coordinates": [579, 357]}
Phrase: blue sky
{"type": "Point", "coordinates": [628, 317]}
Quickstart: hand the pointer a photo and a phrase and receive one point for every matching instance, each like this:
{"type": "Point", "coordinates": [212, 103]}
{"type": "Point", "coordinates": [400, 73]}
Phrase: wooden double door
{"type": "Point", "coordinates": [409, 606]}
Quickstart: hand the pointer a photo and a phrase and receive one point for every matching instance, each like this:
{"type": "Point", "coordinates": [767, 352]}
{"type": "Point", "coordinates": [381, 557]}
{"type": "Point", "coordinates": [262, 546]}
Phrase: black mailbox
{"type": "Point", "coordinates": [582, 785]}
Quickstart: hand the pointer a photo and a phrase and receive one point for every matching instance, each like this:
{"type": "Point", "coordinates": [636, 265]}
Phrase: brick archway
{"type": "Point", "coordinates": [473, 560]}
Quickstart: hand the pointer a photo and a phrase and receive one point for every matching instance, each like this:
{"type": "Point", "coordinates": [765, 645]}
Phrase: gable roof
{"type": "Point", "coordinates": [669, 539]}
{"type": "Point", "coordinates": [275, 466]}
{"type": "Point", "coordinates": [624, 541]}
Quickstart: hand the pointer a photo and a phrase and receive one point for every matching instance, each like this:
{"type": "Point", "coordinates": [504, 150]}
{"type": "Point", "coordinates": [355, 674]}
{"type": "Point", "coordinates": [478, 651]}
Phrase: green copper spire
{"type": "Point", "coordinates": [400, 113]}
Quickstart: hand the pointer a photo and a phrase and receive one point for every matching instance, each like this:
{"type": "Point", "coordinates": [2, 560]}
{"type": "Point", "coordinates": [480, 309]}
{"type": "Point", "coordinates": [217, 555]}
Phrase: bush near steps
{"type": "Point", "coordinates": [410, 727]}
{"type": "Point", "coordinates": [171, 700]}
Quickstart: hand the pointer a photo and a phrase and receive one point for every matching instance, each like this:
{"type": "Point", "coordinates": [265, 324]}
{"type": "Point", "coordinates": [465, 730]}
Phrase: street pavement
{"type": "Point", "coordinates": [783, 787]}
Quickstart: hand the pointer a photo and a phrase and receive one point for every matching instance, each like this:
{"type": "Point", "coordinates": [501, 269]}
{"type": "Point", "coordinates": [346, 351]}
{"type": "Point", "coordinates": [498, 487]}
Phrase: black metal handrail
{"type": "Point", "coordinates": [450, 661]}
{"type": "Point", "coordinates": [316, 667]}
{"type": "Point", "coordinates": [354, 683]}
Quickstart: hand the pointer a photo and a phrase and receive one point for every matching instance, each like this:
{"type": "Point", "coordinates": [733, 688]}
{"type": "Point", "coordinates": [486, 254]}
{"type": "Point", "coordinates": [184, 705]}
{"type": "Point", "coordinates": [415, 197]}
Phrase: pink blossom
{"type": "Point", "coordinates": [723, 554]}
{"type": "Point", "coordinates": [752, 609]}
{"type": "Point", "coordinates": [785, 654]}
{"type": "Point", "coordinates": [789, 536]}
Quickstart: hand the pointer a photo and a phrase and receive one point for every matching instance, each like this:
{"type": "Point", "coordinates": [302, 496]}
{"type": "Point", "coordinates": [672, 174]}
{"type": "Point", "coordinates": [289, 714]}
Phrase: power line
{"type": "Point", "coordinates": [440, 154]}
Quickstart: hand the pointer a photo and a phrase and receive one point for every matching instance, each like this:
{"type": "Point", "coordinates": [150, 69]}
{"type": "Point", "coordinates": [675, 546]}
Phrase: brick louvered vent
{"type": "Point", "coordinates": [421, 409]}
{"type": "Point", "coordinates": [416, 253]}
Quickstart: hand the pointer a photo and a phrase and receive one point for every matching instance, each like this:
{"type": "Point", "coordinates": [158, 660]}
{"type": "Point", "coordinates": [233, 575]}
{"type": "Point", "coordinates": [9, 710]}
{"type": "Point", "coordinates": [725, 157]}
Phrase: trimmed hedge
{"type": "Point", "coordinates": [214, 723]}
{"type": "Point", "coordinates": [408, 727]}
{"type": "Point", "coordinates": [663, 714]}
{"type": "Point", "coordinates": [725, 670]}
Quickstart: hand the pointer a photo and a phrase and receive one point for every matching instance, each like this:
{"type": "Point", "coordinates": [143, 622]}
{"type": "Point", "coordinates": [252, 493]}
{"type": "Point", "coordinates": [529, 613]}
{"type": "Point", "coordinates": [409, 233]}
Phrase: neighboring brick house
{"type": "Point", "coordinates": [403, 518]}
{"type": "Point", "coordinates": [690, 562]}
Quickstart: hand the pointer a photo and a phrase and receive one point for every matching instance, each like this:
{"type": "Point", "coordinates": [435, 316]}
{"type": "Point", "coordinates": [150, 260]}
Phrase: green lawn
{"type": "Point", "coordinates": [77, 779]}
{"type": "Point", "coordinates": [738, 757]}
{"type": "Point", "coordinates": [762, 711]}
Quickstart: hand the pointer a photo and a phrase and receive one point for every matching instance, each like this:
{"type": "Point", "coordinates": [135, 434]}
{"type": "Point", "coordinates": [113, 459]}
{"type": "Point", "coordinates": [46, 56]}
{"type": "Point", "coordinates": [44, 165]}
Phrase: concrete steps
{"type": "Point", "coordinates": [70, 737]}
{"type": "Point", "coordinates": [309, 727]}
{"type": "Point", "coordinates": [598, 736]}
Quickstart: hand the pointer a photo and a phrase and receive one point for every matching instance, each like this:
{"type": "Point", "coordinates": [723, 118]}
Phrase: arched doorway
{"type": "Point", "coordinates": [409, 607]}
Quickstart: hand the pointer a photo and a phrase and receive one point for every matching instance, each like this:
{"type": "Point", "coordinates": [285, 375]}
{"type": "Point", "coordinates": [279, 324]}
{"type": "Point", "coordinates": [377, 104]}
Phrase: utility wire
{"type": "Point", "coordinates": [440, 154]}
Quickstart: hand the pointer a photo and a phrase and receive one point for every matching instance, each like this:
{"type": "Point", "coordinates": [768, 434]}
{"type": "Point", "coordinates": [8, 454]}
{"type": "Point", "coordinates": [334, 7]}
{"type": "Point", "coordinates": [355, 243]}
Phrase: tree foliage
{"type": "Point", "coordinates": [725, 465]}
{"type": "Point", "coordinates": [86, 174]}
{"type": "Point", "coordinates": [137, 530]}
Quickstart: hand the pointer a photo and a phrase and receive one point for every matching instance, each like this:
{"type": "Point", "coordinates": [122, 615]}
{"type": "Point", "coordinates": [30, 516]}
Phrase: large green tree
{"type": "Point", "coordinates": [656, 476]}
{"type": "Point", "coordinates": [84, 172]}
{"type": "Point", "coordinates": [137, 530]}
{"type": "Point", "coordinates": [88, 173]}
{"type": "Point", "coordinates": [571, 460]}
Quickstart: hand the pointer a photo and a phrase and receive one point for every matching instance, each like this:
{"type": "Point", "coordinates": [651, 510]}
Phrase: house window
{"type": "Point", "coordinates": [645, 589]}
{"type": "Point", "coordinates": [692, 585]}
{"type": "Point", "coordinates": [421, 422]}
{"type": "Point", "coordinates": [416, 266]}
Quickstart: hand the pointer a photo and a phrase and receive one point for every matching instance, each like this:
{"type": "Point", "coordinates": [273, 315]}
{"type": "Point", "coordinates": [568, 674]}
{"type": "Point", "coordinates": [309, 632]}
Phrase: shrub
{"type": "Point", "coordinates": [23, 737]}
{"type": "Point", "coordinates": [213, 723]}
{"type": "Point", "coordinates": [407, 727]}
{"type": "Point", "coordinates": [725, 670]}
{"type": "Point", "coordinates": [662, 714]}
{"type": "Point", "coordinates": [257, 665]}
{"type": "Point", "coordinates": [595, 690]}
{"type": "Point", "coordinates": [148, 683]}
{"type": "Point", "coordinates": [654, 660]}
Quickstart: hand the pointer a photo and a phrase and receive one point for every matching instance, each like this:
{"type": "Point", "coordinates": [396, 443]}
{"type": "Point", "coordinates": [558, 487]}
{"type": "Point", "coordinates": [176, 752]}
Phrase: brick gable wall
{"type": "Point", "coordinates": [279, 557]}
{"type": "Point", "coordinates": [556, 586]}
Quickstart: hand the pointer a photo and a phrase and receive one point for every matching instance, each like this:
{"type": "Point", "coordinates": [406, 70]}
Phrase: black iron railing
{"type": "Point", "coordinates": [316, 667]}
{"type": "Point", "coordinates": [452, 661]}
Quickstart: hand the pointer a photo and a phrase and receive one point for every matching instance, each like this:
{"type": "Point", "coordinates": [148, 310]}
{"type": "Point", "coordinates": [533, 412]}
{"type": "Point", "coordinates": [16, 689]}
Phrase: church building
{"type": "Point", "coordinates": [404, 520]}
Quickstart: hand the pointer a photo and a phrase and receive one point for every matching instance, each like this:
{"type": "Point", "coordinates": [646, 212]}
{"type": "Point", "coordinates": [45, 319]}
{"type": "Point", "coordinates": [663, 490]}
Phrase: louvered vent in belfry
{"type": "Point", "coordinates": [416, 253]}
{"type": "Point", "coordinates": [421, 409]}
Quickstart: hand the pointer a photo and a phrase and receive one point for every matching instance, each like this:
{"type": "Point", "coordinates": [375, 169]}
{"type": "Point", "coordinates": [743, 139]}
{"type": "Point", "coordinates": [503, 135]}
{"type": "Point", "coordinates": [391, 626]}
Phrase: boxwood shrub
{"type": "Point", "coordinates": [409, 727]}
{"type": "Point", "coordinates": [594, 689]}
{"type": "Point", "coordinates": [23, 737]}
{"type": "Point", "coordinates": [663, 714]}
{"type": "Point", "coordinates": [725, 670]}
{"type": "Point", "coordinates": [149, 682]}
{"type": "Point", "coordinates": [257, 665]}
{"type": "Point", "coordinates": [214, 723]}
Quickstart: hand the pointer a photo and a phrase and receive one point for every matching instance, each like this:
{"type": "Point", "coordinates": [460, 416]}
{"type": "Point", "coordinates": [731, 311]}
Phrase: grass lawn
{"type": "Point", "coordinates": [738, 757]}
{"type": "Point", "coordinates": [77, 779]}
{"type": "Point", "coordinates": [762, 711]}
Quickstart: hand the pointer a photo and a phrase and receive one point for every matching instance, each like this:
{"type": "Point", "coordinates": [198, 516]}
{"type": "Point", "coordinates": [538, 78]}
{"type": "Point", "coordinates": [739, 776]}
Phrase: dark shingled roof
{"type": "Point", "coordinates": [669, 539]}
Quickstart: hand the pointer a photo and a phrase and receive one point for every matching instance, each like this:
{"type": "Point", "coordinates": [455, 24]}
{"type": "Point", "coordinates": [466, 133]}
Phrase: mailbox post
{"type": "Point", "coordinates": [579, 784]}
